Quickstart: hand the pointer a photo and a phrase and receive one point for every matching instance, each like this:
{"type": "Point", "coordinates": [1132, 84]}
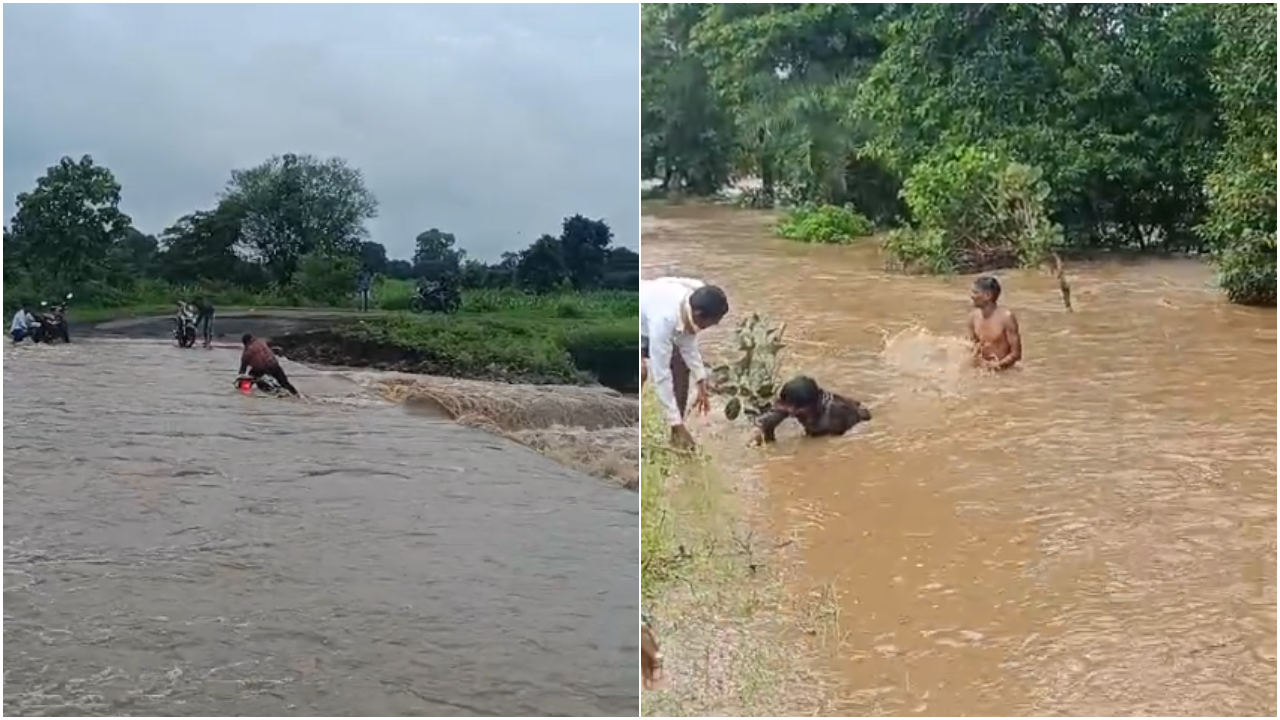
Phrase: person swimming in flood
{"type": "Point", "coordinates": [820, 412]}
{"type": "Point", "coordinates": [993, 330]}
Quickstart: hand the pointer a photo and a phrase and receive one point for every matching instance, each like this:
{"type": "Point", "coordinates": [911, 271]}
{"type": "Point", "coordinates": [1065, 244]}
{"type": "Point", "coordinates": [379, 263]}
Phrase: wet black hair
{"type": "Point", "coordinates": [246, 338]}
{"type": "Point", "coordinates": [988, 284]}
{"type": "Point", "coordinates": [801, 391]}
{"type": "Point", "coordinates": [708, 304]}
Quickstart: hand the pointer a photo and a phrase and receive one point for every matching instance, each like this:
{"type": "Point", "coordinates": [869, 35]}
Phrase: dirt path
{"type": "Point", "coordinates": [227, 325]}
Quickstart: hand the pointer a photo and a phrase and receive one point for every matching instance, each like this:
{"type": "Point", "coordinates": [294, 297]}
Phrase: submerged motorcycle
{"type": "Point", "coordinates": [184, 326]}
{"type": "Point", "coordinates": [265, 384]}
{"type": "Point", "coordinates": [52, 322]}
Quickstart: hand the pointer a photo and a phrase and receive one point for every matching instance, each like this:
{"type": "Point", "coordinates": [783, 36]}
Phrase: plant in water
{"type": "Point", "coordinates": [824, 224]}
{"type": "Point", "coordinates": [750, 382]}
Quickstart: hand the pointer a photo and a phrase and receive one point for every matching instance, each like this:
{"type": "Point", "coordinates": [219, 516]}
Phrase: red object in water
{"type": "Point", "coordinates": [246, 385]}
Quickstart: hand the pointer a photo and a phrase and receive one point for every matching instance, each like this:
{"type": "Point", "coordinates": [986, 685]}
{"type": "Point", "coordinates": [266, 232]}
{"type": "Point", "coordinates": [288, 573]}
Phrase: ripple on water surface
{"type": "Point", "coordinates": [174, 548]}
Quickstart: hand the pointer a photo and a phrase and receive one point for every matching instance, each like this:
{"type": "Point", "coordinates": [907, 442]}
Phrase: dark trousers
{"type": "Point", "coordinates": [679, 375]}
{"type": "Point", "coordinates": [204, 323]}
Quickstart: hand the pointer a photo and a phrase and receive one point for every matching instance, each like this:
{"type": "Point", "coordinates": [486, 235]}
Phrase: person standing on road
{"type": "Point", "coordinates": [672, 313]}
{"type": "Point", "coordinates": [363, 283]}
{"type": "Point", "coordinates": [204, 318]}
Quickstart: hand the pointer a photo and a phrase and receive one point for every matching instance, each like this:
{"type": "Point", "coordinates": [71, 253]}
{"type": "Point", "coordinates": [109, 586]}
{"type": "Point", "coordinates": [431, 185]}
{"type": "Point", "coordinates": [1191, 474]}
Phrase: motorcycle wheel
{"type": "Point", "coordinates": [416, 305]}
{"type": "Point", "coordinates": [64, 334]}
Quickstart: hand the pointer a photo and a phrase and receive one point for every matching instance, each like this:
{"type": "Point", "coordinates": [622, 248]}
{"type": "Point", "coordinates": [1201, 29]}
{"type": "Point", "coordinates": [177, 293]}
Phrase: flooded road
{"type": "Point", "coordinates": [1091, 534]}
{"type": "Point", "coordinates": [174, 548]}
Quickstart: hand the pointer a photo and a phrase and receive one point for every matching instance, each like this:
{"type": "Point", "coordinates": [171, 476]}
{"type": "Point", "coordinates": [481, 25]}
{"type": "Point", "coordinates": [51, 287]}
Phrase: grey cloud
{"type": "Point", "coordinates": [492, 122]}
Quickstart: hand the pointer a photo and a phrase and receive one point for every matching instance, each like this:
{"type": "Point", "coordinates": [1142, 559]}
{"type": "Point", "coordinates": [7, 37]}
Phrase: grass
{"type": "Point", "coordinates": [387, 295]}
{"type": "Point", "coordinates": [735, 643]}
{"type": "Point", "coordinates": [548, 348]}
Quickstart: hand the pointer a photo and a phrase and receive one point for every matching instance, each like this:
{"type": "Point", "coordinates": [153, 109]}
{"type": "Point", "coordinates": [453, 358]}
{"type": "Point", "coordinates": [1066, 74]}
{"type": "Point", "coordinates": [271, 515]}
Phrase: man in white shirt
{"type": "Point", "coordinates": [23, 324]}
{"type": "Point", "coordinates": [672, 313]}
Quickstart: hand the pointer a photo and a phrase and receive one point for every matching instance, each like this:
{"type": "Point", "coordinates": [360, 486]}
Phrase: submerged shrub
{"type": "Point", "coordinates": [825, 224]}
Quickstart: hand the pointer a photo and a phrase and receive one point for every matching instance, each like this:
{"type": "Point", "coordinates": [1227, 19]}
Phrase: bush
{"type": "Point", "coordinates": [464, 348]}
{"type": "Point", "coordinates": [974, 210]}
{"type": "Point", "coordinates": [1247, 269]}
{"type": "Point", "coordinates": [611, 353]}
{"type": "Point", "coordinates": [325, 279]}
{"type": "Point", "coordinates": [488, 345]}
{"type": "Point", "coordinates": [1241, 224]}
{"type": "Point", "coordinates": [825, 224]}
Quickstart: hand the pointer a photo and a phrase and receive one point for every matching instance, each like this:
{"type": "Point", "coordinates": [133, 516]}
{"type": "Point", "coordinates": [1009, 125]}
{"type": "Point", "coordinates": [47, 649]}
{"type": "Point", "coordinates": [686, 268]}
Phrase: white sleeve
{"type": "Point", "coordinates": [688, 345]}
{"type": "Point", "coordinates": [661, 339]}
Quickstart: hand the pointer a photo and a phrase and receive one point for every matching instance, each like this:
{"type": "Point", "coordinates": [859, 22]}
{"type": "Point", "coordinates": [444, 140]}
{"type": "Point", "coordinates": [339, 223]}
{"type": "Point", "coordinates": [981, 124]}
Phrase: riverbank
{"type": "Point", "coordinates": [499, 347]}
{"type": "Point", "coordinates": [734, 642]}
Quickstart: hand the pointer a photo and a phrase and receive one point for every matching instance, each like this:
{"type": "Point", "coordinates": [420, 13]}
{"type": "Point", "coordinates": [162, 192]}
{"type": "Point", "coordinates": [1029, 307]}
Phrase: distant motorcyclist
{"type": "Point", "coordinates": [259, 360]}
{"type": "Point", "coordinates": [24, 323]}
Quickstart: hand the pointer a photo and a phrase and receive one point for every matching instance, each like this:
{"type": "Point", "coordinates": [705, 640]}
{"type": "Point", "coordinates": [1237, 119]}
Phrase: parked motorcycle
{"type": "Point", "coordinates": [52, 319]}
{"type": "Point", "coordinates": [437, 297]}
{"type": "Point", "coordinates": [184, 326]}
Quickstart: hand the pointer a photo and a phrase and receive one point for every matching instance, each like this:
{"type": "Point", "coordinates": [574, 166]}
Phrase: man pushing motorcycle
{"type": "Point", "coordinates": [259, 360]}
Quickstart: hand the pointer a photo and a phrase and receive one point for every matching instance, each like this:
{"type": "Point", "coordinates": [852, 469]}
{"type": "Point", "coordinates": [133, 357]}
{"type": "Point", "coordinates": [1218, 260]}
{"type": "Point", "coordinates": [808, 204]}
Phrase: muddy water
{"type": "Point", "coordinates": [1092, 534]}
{"type": "Point", "coordinates": [173, 548]}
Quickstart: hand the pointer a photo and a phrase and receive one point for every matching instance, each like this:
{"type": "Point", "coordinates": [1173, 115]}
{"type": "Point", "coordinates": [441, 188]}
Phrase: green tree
{"type": "Point", "coordinates": [1241, 224]}
{"type": "Point", "coordinates": [294, 205]}
{"type": "Point", "coordinates": [436, 252]}
{"type": "Point", "coordinates": [325, 279]}
{"type": "Point", "coordinates": [686, 137]}
{"type": "Point", "coordinates": [373, 257]}
{"type": "Point", "coordinates": [584, 247]}
{"type": "Point", "coordinates": [1137, 126]}
{"type": "Point", "coordinates": [203, 246]}
{"type": "Point", "coordinates": [64, 230]}
{"type": "Point", "coordinates": [541, 267]}
{"type": "Point", "coordinates": [135, 255]}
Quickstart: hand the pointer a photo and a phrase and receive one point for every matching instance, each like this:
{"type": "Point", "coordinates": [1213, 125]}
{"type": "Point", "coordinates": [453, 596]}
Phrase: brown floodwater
{"type": "Point", "coordinates": [174, 548]}
{"type": "Point", "coordinates": [1091, 534]}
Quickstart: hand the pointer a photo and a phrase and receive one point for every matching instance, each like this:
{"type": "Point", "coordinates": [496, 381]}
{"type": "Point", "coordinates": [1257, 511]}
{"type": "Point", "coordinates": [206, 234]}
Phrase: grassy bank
{"type": "Point", "coordinates": [497, 335]}
{"type": "Point", "coordinates": [735, 644]}
{"type": "Point", "coordinates": [387, 295]}
{"type": "Point", "coordinates": [508, 347]}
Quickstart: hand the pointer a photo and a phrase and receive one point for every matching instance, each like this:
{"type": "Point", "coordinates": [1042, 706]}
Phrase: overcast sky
{"type": "Point", "coordinates": [492, 122]}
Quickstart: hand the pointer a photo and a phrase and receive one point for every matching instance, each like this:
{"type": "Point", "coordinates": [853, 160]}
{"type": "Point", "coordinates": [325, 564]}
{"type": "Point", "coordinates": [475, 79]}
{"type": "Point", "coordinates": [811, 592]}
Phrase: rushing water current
{"type": "Point", "coordinates": [174, 548]}
{"type": "Point", "coordinates": [1091, 534]}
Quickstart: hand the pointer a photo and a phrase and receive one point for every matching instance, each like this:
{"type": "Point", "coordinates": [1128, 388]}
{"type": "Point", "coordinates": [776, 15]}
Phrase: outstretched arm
{"type": "Point", "coordinates": [767, 423]}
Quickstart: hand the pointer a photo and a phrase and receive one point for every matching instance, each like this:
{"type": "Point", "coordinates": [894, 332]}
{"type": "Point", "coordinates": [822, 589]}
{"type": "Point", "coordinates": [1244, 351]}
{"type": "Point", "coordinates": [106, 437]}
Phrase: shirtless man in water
{"type": "Point", "coordinates": [993, 330]}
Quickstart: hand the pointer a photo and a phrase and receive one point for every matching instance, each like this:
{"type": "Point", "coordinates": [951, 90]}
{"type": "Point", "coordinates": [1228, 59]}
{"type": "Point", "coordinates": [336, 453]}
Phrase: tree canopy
{"type": "Point", "coordinates": [1120, 125]}
{"type": "Point", "coordinates": [293, 222]}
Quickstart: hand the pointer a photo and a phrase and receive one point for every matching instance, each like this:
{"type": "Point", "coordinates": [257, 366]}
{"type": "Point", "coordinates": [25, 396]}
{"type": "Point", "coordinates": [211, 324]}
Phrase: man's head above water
{"type": "Point", "coordinates": [708, 305]}
{"type": "Point", "coordinates": [986, 291]}
{"type": "Point", "coordinates": [800, 395]}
